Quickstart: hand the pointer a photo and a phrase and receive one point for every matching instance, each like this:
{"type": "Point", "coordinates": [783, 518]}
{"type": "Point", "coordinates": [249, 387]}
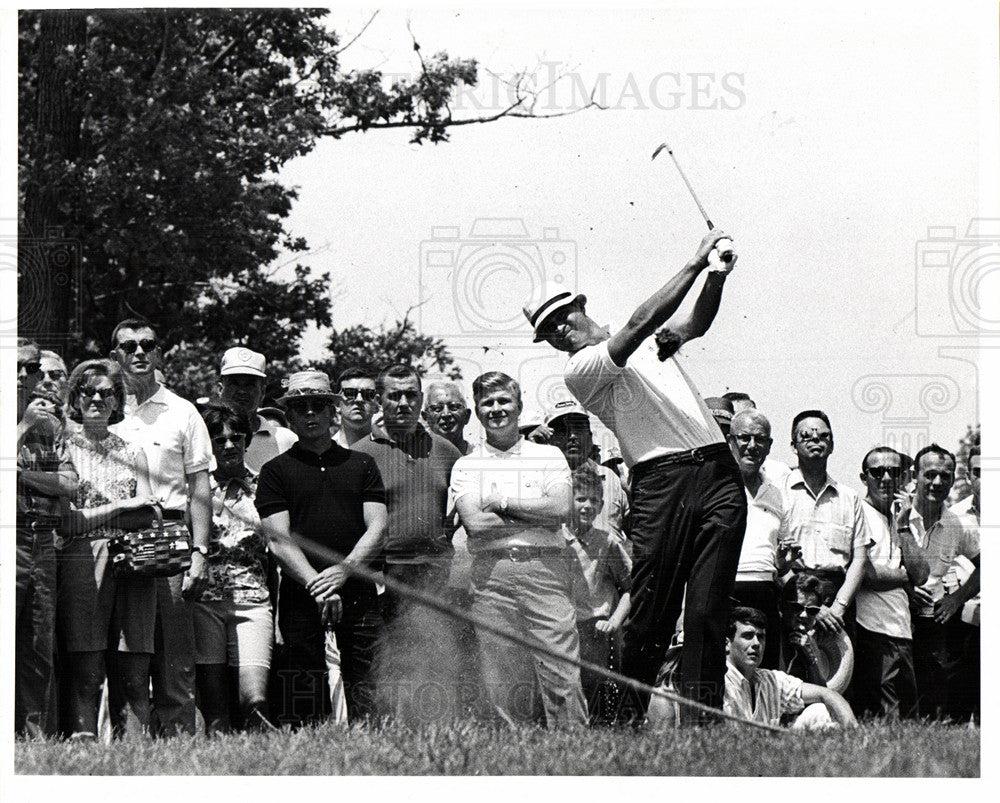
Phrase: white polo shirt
{"type": "Point", "coordinates": [175, 440]}
{"type": "Point", "coordinates": [886, 612]}
{"type": "Point", "coordinates": [760, 543]}
{"type": "Point", "coordinates": [651, 406]}
{"type": "Point", "coordinates": [270, 440]}
{"type": "Point", "coordinates": [945, 540]}
{"type": "Point", "coordinates": [525, 471]}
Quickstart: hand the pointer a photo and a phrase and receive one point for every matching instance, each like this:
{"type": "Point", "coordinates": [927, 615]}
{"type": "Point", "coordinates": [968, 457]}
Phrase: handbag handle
{"type": "Point", "coordinates": [158, 514]}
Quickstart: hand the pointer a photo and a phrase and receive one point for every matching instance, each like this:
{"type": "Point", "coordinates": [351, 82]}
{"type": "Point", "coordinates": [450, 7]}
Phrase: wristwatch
{"type": "Point", "coordinates": [202, 549]}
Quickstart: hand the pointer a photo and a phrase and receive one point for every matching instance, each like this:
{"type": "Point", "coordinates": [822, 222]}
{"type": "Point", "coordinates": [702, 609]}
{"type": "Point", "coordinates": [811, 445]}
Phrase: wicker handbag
{"type": "Point", "coordinates": [162, 549]}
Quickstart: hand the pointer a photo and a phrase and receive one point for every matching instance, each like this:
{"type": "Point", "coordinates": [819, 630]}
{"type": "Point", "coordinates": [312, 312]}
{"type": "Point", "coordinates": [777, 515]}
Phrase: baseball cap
{"type": "Point", "coordinates": [563, 408]}
{"type": "Point", "coordinates": [241, 360]}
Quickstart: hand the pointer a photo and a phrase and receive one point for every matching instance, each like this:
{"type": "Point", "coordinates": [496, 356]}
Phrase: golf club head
{"type": "Point", "coordinates": [663, 146]}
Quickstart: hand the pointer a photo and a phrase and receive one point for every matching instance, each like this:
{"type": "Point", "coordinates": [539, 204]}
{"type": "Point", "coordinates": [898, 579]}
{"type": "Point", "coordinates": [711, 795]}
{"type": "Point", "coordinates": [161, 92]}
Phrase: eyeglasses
{"type": "Point", "coordinates": [88, 392]}
{"type": "Point", "coordinates": [30, 368]}
{"type": "Point", "coordinates": [744, 440]}
{"type": "Point", "coordinates": [307, 406]}
{"type": "Point", "coordinates": [350, 394]}
{"type": "Point", "coordinates": [822, 437]}
{"type": "Point", "coordinates": [235, 438]}
{"type": "Point", "coordinates": [56, 374]}
{"type": "Point", "coordinates": [797, 609]}
{"type": "Point", "coordinates": [877, 472]}
{"type": "Point", "coordinates": [451, 407]}
{"type": "Point", "coordinates": [130, 346]}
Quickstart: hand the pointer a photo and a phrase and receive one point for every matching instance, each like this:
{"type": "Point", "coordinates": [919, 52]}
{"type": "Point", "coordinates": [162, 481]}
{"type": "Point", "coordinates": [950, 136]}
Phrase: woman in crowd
{"type": "Point", "coordinates": [232, 616]}
{"type": "Point", "coordinates": [98, 610]}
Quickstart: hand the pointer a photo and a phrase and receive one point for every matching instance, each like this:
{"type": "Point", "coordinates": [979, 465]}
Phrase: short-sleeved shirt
{"type": "Point", "coordinates": [651, 406]}
{"type": "Point", "coordinates": [614, 512]}
{"type": "Point", "coordinates": [760, 543]}
{"type": "Point", "coordinates": [830, 527]}
{"type": "Point", "coordinates": [270, 440]}
{"type": "Point", "coordinates": [324, 496]}
{"type": "Point", "coordinates": [525, 471]}
{"type": "Point", "coordinates": [888, 611]}
{"type": "Point", "coordinates": [40, 454]}
{"type": "Point", "coordinates": [777, 694]}
{"type": "Point", "coordinates": [175, 440]}
{"type": "Point", "coordinates": [946, 539]}
{"type": "Point", "coordinates": [606, 572]}
{"type": "Point", "coordinates": [237, 549]}
{"type": "Point", "coordinates": [416, 473]}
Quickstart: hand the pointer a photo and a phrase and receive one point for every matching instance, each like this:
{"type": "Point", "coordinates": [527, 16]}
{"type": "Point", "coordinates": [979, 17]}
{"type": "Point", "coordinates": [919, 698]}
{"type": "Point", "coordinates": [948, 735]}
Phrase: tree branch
{"type": "Point", "coordinates": [357, 35]}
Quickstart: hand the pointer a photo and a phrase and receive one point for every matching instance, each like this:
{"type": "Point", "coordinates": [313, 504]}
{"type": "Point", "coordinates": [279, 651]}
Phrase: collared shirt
{"type": "Point", "coordinates": [945, 540]}
{"type": "Point", "coordinates": [967, 510]}
{"type": "Point", "coordinates": [606, 572]}
{"type": "Point", "coordinates": [776, 694]}
{"type": "Point", "coordinates": [237, 549]}
{"type": "Point", "coordinates": [829, 526]}
{"type": "Point", "coordinates": [614, 512]}
{"type": "Point", "coordinates": [886, 612]}
{"type": "Point", "coordinates": [525, 471]}
{"type": "Point", "coordinates": [175, 440]}
{"type": "Point", "coordinates": [651, 406]}
{"type": "Point", "coordinates": [40, 453]}
{"type": "Point", "coordinates": [416, 473]}
{"type": "Point", "coordinates": [270, 440]}
{"type": "Point", "coordinates": [760, 543]}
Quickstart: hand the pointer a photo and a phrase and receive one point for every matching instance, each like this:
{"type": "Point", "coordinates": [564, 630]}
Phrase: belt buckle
{"type": "Point", "coordinates": [518, 554]}
{"type": "Point", "coordinates": [697, 456]}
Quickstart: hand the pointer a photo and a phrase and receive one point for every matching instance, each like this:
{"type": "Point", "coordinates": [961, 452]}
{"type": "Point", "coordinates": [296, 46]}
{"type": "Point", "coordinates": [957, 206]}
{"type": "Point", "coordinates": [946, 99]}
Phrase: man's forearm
{"type": "Point", "coordinates": [200, 507]}
{"type": "Point", "coordinates": [51, 483]}
{"type": "Point", "coordinates": [884, 578]}
{"type": "Point", "coordinates": [290, 557]}
{"type": "Point", "coordinates": [705, 308]}
{"type": "Point", "coordinates": [547, 510]}
{"type": "Point", "coordinates": [855, 574]}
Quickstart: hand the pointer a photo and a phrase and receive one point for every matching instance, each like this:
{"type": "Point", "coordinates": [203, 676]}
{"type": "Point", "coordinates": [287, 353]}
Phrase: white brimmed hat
{"type": "Point", "coordinates": [553, 298]}
{"type": "Point", "coordinates": [308, 385]}
{"type": "Point", "coordinates": [241, 360]}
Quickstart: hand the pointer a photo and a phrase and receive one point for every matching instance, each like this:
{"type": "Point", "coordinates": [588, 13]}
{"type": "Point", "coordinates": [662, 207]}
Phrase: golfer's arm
{"type": "Point", "coordinates": [705, 308]}
{"type": "Point", "coordinates": [835, 704]}
{"type": "Point", "coordinates": [652, 313]}
{"type": "Point", "coordinates": [291, 558]}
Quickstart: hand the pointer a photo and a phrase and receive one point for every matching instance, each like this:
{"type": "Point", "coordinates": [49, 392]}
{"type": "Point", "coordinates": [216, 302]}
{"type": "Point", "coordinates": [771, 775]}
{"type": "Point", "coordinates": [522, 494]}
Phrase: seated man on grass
{"type": "Point", "coordinates": [768, 695]}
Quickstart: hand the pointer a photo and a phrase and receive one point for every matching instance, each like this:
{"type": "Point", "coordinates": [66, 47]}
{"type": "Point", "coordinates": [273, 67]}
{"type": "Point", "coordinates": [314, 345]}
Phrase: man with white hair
{"type": "Point", "coordinates": [447, 414]}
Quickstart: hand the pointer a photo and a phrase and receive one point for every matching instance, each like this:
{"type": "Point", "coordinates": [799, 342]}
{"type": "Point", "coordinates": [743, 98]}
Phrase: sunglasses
{"type": "Point", "coordinates": [130, 346]}
{"type": "Point", "coordinates": [56, 374]}
{"type": "Point", "coordinates": [797, 609]}
{"type": "Point", "coordinates": [235, 438]}
{"type": "Point", "coordinates": [88, 392]}
{"type": "Point", "coordinates": [877, 472]}
{"type": "Point", "coordinates": [30, 368]}
{"type": "Point", "coordinates": [303, 407]}
{"type": "Point", "coordinates": [974, 471]}
{"type": "Point", "coordinates": [350, 394]}
{"type": "Point", "coordinates": [823, 437]}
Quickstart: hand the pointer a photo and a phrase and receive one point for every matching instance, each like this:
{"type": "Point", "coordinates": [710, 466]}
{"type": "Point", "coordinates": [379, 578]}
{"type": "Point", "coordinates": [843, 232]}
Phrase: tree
{"type": "Point", "coordinates": [148, 149]}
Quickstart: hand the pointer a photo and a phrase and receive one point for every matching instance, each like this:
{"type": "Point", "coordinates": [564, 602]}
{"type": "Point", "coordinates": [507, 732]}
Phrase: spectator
{"type": "Point", "coordinates": [97, 610]}
{"type": "Point", "coordinates": [968, 682]}
{"type": "Point", "coordinates": [322, 508]}
{"type": "Point", "coordinates": [357, 405]}
{"type": "Point", "coordinates": [740, 401]}
{"type": "Point", "coordinates": [884, 682]}
{"type": "Point", "coordinates": [774, 470]}
{"type": "Point", "coordinates": [447, 414]}
{"type": "Point", "coordinates": [179, 453]}
{"type": "Point", "coordinates": [512, 495]}
{"type": "Point", "coordinates": [603, 598]}
{"type": "Point", "coordinates": [968, 507]}
{"type": "Point", "coordinates": [938, 537]}
{"type": "Point", "coordinates": [568, 426]}
{"type": "Point", "coordinates": [825, 520]}
{"type": "Point", "coordinates": [45, 475]}
{"type": "Point", "coordinates": [722, 412]}
{"type": "Point", "coordinates": [53, 374]}
{"type": "Point", "coordinates": [769, 695]}
{"type": "Point", "coordinates": [233, 627]}
{"type": "Point", "coordinates": [242, 381]}
{"type": "Point", "coordinates": [757, 574]}
{"type": "Point", "coordinates": [688, 504]}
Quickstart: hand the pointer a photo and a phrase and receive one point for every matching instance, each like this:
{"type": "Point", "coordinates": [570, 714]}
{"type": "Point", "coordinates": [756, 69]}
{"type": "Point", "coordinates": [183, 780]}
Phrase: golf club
{"type": "Point", "coordinates": [725, 246]}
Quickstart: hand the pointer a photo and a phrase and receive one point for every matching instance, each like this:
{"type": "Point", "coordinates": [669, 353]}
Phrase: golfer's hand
{"type": "Point", "coordinates": [947, 608]}
{"type": "Point", "coordinates": [195, 577]}
{"type": "Point", "coordinates": [325, 584]}
{"type": "Point", "coordinates": [708, 245]}
{"type": "Point", "coordinates": [828, 621]}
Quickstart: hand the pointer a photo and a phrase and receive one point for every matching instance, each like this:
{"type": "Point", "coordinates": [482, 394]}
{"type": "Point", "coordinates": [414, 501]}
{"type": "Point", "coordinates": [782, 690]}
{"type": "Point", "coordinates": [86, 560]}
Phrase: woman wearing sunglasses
{"type": "Point", "coordinates": [98, 611]}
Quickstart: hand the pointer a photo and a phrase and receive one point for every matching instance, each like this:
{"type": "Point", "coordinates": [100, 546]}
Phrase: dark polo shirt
{"type": "Point", "coordinates": [324, 495]}
{"type": "Point", "coordinates": [416, 473]}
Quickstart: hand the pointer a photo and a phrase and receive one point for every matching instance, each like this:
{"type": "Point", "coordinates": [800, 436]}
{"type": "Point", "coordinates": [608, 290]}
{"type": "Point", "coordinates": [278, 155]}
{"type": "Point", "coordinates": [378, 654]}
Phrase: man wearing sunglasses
{"type": "Point", "coordinates": [357, 404]}
{"type": "Point", "coordinates": [884, 681]}
{"type": "Point", "coordinates": [242, 380]}
{"type": "Point", "coordinates": [45, 474]}
{"type": "Point", "coordinates": [179, 451]}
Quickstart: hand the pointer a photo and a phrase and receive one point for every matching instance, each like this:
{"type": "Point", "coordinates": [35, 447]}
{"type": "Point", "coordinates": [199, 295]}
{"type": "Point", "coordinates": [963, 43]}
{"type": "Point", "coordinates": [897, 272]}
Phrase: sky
{"type": "Point", "coordinates": [827, 140]}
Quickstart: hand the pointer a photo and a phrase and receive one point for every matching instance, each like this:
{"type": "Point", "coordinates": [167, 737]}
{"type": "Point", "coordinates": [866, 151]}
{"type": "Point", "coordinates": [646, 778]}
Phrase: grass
{"type": "Point", "coordinates": [875, 750]}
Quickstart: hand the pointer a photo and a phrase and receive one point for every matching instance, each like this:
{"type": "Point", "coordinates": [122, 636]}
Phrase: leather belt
{"type": "Point", "coordinates": [520, 554]}
{"type": "Point", "coordinates": [693, 457]}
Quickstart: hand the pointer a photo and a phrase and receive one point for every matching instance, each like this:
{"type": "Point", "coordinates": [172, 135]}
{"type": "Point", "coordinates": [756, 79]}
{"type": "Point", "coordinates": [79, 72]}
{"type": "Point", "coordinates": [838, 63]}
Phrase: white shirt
{"type": "Point", "coordinates": [940, 545]}
{"type": "Point", "coordinates": [886, 612]}
{"type": "Point", "coordinates": [175, 440]}
{"type": "Point", "coordinates": [777, 693]}
{"type": "Point", "coordinates": [651, 406]}
{"type": "Point", "coordinates": [760, 543]}
{"type": "Point", "coordinates": [525, 471]}
{"type": "Point", "coordinates": [270, 440]}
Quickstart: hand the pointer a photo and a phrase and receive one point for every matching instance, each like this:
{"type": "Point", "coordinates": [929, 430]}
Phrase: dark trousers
{"type": "Point", "coordinates": [34, 631]}
{"type": "Point", "coordinates": [687, 528]}
{"type": "Point", "coordinates": [764, 597]}
{"type": "Point", "coordinates": [946, 661]}
{"type": "Point", "coordinates": [884, 680]}
{"type": "Point", "coordinates": [299, 683]}
{"type": "Point", "coordinates": [172, 668]}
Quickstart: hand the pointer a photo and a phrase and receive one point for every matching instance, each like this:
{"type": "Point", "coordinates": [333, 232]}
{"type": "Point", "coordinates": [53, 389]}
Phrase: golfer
{"type": "Point", "coordinates": [689, 507]}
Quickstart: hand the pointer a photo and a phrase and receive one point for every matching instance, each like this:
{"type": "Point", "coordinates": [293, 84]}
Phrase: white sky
{"type": "Point", "coordinates": [853, 131]}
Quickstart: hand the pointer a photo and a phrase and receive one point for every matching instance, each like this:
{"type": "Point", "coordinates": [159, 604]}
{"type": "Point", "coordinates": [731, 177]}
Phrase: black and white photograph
{"type": "Point", "coordinates": [499, 391]}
